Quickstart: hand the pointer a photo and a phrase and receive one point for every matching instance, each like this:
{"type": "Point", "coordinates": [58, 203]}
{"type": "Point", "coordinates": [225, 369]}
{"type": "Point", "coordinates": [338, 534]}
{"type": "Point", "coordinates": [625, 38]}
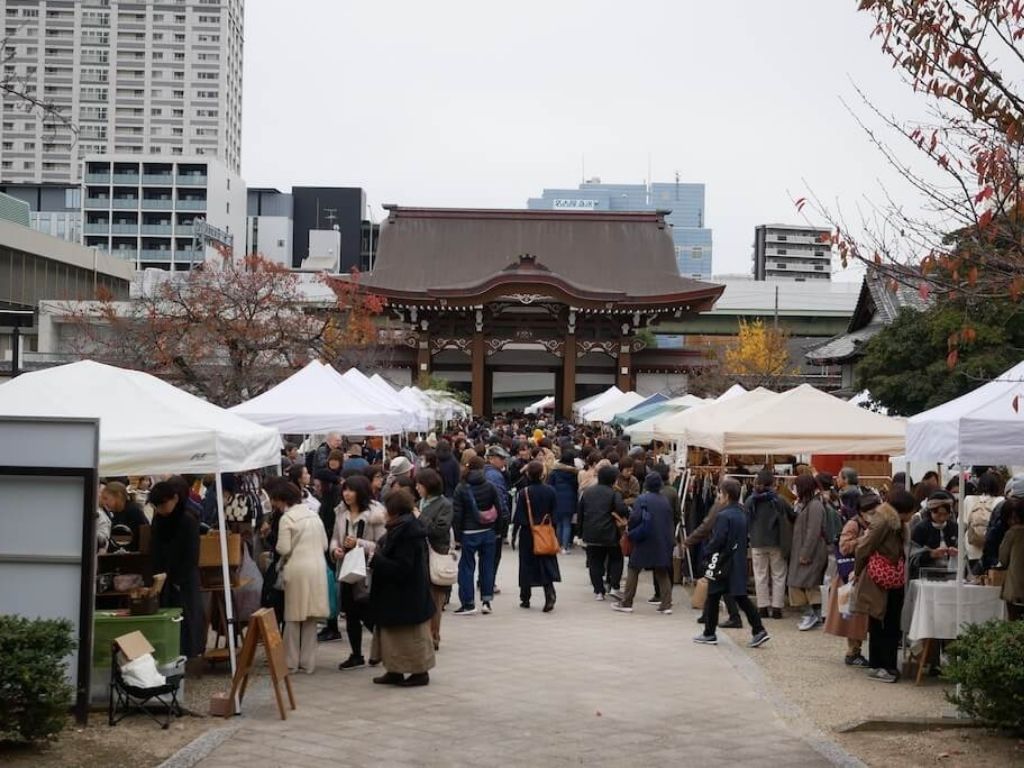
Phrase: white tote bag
{"type": "Point", "coordinates": [353, 567]}
{"type": "Point", "coordinates": [444, 569]}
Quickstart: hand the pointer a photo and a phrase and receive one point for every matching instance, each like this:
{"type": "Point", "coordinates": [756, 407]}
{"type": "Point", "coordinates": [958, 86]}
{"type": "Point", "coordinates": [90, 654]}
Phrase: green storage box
{"type": "Point", "coordinates": [162, 629]}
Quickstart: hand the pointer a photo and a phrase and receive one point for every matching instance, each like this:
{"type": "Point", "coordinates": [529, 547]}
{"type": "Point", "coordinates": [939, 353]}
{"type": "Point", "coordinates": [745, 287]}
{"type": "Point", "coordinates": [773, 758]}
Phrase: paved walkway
{"type": "Point", "coordinates": [580, 686]}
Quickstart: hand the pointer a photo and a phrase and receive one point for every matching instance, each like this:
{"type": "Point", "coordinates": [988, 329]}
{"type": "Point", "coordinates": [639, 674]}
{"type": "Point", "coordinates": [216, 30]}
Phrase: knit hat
{"type": "Point", "coordinates": [399, 466]}
{"type": "Point", "coordinates": [1016, 485]}
{"type": "Point", "coordinates": [653, 482]}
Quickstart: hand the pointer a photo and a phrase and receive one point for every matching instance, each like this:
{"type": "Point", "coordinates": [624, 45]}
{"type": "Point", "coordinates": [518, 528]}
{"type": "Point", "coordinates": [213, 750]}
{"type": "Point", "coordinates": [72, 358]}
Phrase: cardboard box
{"type": "Point", "coordinates": [133, 645]}
{"type": "Point", "coordinates": [221, 704]}
{"type": "Point", "coordinates": [209, 550]}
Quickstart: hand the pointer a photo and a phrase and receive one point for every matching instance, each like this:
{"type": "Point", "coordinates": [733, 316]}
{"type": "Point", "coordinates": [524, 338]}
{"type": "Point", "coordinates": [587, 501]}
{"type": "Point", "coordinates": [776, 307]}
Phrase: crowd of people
{"type": "Point", "coordinates": [345, 536]}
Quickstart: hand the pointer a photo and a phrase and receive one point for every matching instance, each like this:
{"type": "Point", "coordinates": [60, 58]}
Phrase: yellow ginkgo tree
{"type": "Point", "coordinates": [759, 353]}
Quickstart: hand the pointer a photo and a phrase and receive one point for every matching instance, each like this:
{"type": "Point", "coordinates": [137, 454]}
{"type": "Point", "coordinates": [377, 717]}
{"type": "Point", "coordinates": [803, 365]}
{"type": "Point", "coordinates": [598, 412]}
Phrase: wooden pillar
{"type": "Point", "coordinates": [624, 366]}
{"type": "Point", "coordinates": [478, 361]}
{"type": "Point", "coordinates": [422, 356]}
{"type": "Point", "coordinates": [568, 377]}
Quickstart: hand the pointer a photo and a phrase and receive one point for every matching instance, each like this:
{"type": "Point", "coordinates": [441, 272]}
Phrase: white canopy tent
{"type": "Point", "coordinates": [544, 404]}
{"type": "Point", "coordinates": [676, 427]}
{"type": "Point", "coordinates": [984, 426]}
{"type": "Point", "coordinates": [148, 426]}
{"type": "Point", "coordinates": [452, 408]}
{"type": "Point", "coordinates": [609, 409]}
{"type": "Point", "coordinates": [372, 393]}
{"type": "Point", "coordinates": [580, 407]}
{"type": "Point", "coordinates": [647, 430]}
{"type": "Point", "coordinates": [420, 420]}
{"type": "Point", "coordinates": [734, 391]}
{"type": "Point", "coordinates": [801, 421]}
{"type": "Point", "coordinates": [315, 400]}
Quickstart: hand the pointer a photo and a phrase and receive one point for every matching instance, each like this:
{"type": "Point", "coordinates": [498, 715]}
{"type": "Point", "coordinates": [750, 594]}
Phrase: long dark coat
{"type": "Point", "coordinates": [729, 538]}
{"type": "Point", "coordinates": [535, 571]}
{"type": "Point", "coordinates": [653, 550]}
{"type": "Point", "coordinates": [567, 490]}
{"type": "Point", "coordinates": [174, 550]}
{"type": "Point", "coordinates": [400, 575]}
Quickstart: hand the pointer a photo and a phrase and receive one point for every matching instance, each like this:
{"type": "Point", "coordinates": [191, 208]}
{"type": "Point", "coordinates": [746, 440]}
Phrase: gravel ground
{"type": "Point", "coordinates": [136, 742]}
{"type": "Point", "coordinates": [808, 669]}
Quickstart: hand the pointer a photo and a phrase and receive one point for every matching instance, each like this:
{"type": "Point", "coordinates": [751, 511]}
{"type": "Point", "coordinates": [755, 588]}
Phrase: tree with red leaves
{"type": "Point", "coordinates": [966, 246]}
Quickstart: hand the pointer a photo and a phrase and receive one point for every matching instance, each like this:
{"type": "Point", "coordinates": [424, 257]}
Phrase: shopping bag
{"type": "Point", "coordinates": [444, 569]}
{"type": "Point", "coordinates": [700, 594]}
{"type": "Point", "coordinates": [844, 600]}
{"type": "Point", "coordinates": [353, 567]}
{"type": "Point", "coordinates": [332, 591]}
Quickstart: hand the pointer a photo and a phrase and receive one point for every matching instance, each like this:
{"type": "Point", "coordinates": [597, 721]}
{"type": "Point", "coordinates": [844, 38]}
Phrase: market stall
{"type": "Point", "coordinates": [148, 426]}
{"type": "Point", "coordinates": [607, 410]}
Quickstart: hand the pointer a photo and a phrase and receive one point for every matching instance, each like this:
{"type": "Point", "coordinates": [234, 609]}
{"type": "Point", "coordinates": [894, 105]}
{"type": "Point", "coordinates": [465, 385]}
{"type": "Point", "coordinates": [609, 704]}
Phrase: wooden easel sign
{"type": "Point", "coordinates": [263, 629]}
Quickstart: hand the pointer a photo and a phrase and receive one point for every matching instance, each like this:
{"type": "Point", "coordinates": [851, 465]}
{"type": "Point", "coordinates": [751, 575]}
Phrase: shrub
{"type": "Point", "coordinates": [987, 661]}
{"type": "Point", "coordinates": [34, 693]}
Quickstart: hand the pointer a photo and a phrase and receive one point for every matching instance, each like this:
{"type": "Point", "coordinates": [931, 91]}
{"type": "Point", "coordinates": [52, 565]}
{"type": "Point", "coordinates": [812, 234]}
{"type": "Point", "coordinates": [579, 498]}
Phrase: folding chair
{"type": "Point", "coordinates": [128, 699]}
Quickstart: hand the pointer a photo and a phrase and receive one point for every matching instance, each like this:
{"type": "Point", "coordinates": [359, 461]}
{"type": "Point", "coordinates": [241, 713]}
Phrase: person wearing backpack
{"type": "Point", "coordinates": [765, 512]}
{"type": "Point", "coordinates": [476, 516]}
{"type": "Point", "coordinates": [978, 512]}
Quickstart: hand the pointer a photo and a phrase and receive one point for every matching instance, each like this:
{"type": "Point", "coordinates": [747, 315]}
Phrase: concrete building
{"type": "Point", "coordinates": [53, 209]}
{"type": "Point", "coordinates": [34, 268]}
{"type": "Point", "coordinates": [311, 227]}
{"type": "Point", "coordinates": [685, 203]}
{"type": "Point", "coordinates": [159, 78]}
{"type": "Point", "coordinates": [145, 211]}
{"type": "Point", "coordinates": [792, 252]}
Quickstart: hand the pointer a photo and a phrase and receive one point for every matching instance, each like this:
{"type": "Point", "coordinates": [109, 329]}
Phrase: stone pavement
{"type": "Point", "coordinates": [583, 685]}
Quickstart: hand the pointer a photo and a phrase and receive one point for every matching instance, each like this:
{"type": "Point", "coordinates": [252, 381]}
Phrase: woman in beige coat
{"type": "Point", "coordinates": [809, 555]}
{"type": "Point", "coordinates": [301, 543]}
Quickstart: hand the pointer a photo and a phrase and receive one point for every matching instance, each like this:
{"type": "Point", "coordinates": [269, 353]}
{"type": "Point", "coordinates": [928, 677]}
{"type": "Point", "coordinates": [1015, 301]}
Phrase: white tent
{"type": "Point", "coordinates": [580, 407]}
{"type": "Point", "coordinates": [609, 409]}
{"type": "Point", "coordinates": [801, 421]}
{"type": "Point", "coordinates": [985, 426]}
{"type": "Point", "coordinates": [702, 426]}
{"type": "Point", "coordinates": [372, 393]}
{"type": "Point", "coordinates": [315, 400]}
{"type": "Point", "coordinates": [734, 391]}
{"type": "Point", "coordinates": [420, 421]}
{"type": "Point", "coordinates": [148, 426]}
{"type": "Point", "coordinates": [452, 408]}
{"type": "Point", "coordinates": [647, 430]}
{"type": "Point", "coordinates": [543, 404]}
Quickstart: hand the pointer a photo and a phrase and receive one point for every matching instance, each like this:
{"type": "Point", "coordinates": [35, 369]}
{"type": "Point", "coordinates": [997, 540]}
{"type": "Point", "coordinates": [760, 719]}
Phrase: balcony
{"type": "Point", "coordinates": [127, 178]}
{"type": "Point", "coordinates": [97, 178]}
{"type": "Point", "coordinates": [125, 229]}
{"type": "Point", "coordinates": [157, 229]}
{"type": "Point", "coordinates": [150, 204]}
{"type": "Point", "coordinates": [156, 254]}
{"type": "Point", "coordinates": [191, 205]}
{"type": "Point", "coordinates": [102, 203]}
{"type": "Point", "coordinates": [162, 179]}
{"type": "Point", "coordinates": [126, 203]}
{"type": "Point", "coordinates": [97, 229]}
{"type": "Point", "coordinates": [191, 180]}
{"type": "Point", "coordinates": [127, 254]}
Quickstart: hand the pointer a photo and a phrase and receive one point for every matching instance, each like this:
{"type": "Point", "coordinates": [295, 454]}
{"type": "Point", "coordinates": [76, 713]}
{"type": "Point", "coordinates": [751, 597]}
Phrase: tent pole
{"type": "Point", "coordinates": [961, 556]}
{"type": "Point", "coordinates": [229, 610]}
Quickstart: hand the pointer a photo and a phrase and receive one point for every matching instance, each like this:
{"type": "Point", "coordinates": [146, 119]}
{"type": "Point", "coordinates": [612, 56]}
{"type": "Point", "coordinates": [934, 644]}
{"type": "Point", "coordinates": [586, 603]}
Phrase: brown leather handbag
{"type": "Point", "coordinates": [545, 541]}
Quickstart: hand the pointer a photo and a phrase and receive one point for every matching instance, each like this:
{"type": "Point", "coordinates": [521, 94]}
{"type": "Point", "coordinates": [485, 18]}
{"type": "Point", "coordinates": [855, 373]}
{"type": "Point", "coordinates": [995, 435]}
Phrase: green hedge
{"type": "Point", "coordinates": [987, 661]}
{"type": "Point", "coordinates": [34, 693]}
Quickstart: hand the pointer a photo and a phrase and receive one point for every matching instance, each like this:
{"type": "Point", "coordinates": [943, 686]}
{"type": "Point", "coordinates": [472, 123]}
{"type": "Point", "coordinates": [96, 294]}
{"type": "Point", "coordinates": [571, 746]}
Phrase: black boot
{"type": "Point", "coordinates": [390, 678]}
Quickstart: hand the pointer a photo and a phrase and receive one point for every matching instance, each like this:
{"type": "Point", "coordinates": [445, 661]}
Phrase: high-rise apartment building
{"type": "Point", "coordinates": [685, 202]}
{"type": "Point", "coordinates": [159, 78]}
{"type": "Point", "coordinates": [792, 252]}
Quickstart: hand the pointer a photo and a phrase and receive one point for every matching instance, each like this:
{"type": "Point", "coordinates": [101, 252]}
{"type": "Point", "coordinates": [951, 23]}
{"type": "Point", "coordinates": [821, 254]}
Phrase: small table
{"type": "Point", "coordinates": [929, 612]}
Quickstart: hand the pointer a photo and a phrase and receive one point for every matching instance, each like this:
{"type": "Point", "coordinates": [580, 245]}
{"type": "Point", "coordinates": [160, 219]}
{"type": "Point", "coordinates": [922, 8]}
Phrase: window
{"type": "Point", "coordinates": [207, 75]}
{"type": "Point", "coordinates": [73, 198]}
{"type": "Point", "coordinates": [697, 252]}
{"type": "Point", "coordinates": [179, 38]}
{"type": "Point", "coordinates": [780, 251]}
{"type": "Point", "coordinates": [157, 55]}
{"type": "Point", "coordinates": [280, 243]}
{"type": "Point", "coordinates": [780, 266]}
{"type": "Point", "coordinates": [227, 207]}
{"type": "Point", "coordinates": [156, 111]}
{"type": "Point", "coordinates": [781, 238]}
{"type": "Point", "coordinates": [7, 145]}
{"type": "Point", "coordinates": [179, 94]}
{"type": "Point", "coordinates": [819, 267]}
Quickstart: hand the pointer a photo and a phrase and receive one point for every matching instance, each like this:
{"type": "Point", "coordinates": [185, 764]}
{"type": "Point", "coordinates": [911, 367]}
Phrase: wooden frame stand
{"type": "Point", "coordinates": [263, 629]}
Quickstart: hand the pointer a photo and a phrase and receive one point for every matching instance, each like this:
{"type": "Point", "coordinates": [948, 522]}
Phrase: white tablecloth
{"type": "Point", "coordinates": [931, 606]}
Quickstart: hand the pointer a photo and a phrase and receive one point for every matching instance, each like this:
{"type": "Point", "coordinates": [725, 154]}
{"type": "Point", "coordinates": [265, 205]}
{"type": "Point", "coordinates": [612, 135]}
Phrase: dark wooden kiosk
{"type": "Point", "coordinates": [507, 290]}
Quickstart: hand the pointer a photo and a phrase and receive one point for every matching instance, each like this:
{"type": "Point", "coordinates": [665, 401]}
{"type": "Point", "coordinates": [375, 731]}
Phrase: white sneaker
{"type": "Point", "coordinates": [599, 597]}
{"type": "Point", "coordinates": [622, 608]}
{"type": "Point", "coordinates": [665, 611]}
{"type": "Point", "coordinates": [809, 621]}
{"type": "Point", "coordinates": [486, 608]}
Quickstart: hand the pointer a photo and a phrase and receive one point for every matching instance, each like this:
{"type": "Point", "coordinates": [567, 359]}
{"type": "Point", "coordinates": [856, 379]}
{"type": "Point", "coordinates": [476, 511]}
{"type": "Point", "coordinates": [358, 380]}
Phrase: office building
{"type": "Point", "coordinates": [53, 209]}
{"type": "Point", "coordinates": [311, 227]}
{"type": "Point", "coordinates": [685, 203]}
{"type": "Point", "coordinates": [792, 252]}
{"type": "Point", "coordinates": [146, 211]}
{"type": "Point", "coordinates": [158, 79]}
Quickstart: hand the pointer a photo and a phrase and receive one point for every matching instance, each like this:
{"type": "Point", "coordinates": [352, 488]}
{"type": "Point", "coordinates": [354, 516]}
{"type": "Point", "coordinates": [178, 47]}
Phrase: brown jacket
{"type": "Point", "coordinates": [1011, 555]}
{"type": "Point", "coordinates": [630, 489]}
{"type": "Point", "coordinates": [703, 531]}
{"type": "Point", "coordinates": [885, 536]}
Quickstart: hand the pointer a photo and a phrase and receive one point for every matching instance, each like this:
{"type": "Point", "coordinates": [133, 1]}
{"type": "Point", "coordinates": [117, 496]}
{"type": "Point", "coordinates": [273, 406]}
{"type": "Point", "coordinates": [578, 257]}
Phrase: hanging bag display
{"type": "Point", "coordinates": [545, 541]}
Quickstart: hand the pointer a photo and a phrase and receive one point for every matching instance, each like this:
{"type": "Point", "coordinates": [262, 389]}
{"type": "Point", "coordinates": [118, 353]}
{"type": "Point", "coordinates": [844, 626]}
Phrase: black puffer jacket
{"type": "Point", "coordinates": [597, 504]}
{"type": "Point", "coordinates": [465, 517]}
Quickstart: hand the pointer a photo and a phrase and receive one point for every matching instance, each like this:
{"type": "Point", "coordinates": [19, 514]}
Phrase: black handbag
{"type": "Point", "coordinates": [717, 571]}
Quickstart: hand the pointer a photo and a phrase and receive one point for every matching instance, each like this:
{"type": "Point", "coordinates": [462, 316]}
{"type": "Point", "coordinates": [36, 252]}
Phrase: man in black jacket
{"type": "Point", "coordinates": [602, 515]}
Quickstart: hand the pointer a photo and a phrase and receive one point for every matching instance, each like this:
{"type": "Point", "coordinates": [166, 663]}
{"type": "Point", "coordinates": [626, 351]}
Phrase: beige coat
{"type": "Point", "coordinates": [302, 540]}
{"type": "Point", "coordinates": [1011, 555]}
{"type": "Point", "coordinates": [373, 528]}
{"type": "Point", "coordinates": [885, 536]}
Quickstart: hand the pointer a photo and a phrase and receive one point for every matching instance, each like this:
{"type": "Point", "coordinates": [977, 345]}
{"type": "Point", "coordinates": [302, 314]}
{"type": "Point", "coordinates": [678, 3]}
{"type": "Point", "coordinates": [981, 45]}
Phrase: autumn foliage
{"type": "Point", "coordinates": [227, 331]}
{"type": "Point", "coordinates": [760, 353]}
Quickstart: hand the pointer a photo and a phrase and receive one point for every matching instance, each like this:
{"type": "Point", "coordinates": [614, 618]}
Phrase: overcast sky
{"type": "Point", "coordinates": [486, 103]}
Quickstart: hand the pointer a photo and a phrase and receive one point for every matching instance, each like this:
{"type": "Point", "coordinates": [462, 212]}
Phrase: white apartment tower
{"type": "Point", "coordinates": [792, 252]}
{"type": "Point", "coordinates": [158, 78]}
